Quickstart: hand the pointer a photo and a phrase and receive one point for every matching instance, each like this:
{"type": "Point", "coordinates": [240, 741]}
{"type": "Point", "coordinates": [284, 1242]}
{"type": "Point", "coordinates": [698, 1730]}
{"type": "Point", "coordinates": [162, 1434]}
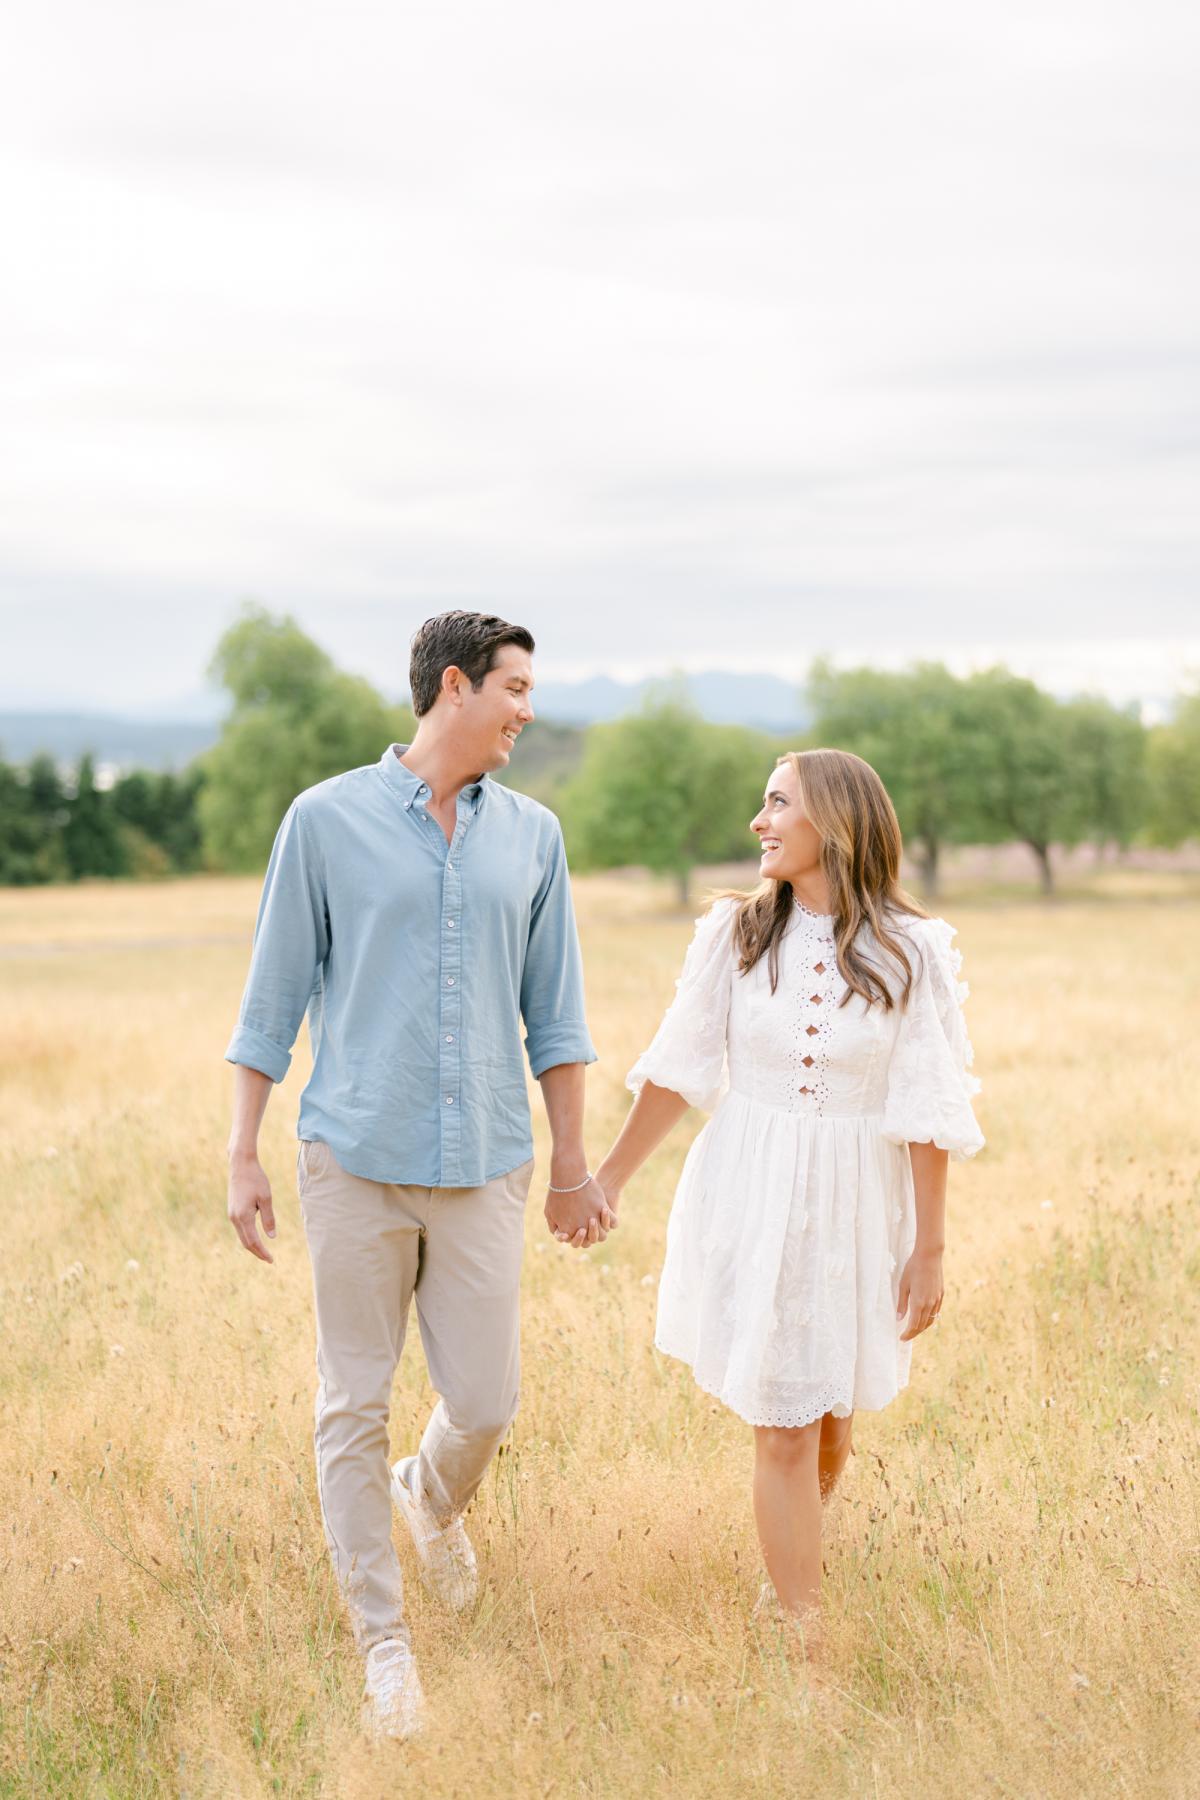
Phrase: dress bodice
{"type": "Point", "coordinates": [797, 1049]}
{"type": "Point", "coordinates": [800, 1050]}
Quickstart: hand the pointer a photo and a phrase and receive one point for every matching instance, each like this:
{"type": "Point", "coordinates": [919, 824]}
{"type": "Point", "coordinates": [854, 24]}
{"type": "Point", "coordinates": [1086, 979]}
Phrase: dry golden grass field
{"type": "Point", "coordinates": [1013, 1565]}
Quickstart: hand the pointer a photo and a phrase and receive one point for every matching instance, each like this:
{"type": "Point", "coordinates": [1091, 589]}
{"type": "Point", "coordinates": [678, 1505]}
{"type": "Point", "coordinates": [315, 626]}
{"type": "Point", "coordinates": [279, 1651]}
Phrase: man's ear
{"type": "Point", "coordinates": [452, 683]}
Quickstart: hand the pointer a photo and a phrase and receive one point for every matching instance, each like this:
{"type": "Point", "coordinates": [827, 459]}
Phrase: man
{"type": "Point", "coordinates": [417, 911]}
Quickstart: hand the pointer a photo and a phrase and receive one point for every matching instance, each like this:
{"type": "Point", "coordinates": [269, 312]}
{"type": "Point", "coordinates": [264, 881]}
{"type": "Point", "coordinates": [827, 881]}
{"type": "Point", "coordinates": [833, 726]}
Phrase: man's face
{"type": "Point", "coordinates": [494, 718]}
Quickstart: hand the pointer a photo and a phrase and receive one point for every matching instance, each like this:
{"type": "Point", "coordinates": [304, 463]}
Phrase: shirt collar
{"type": "Point", "coordinates": [412, 790]}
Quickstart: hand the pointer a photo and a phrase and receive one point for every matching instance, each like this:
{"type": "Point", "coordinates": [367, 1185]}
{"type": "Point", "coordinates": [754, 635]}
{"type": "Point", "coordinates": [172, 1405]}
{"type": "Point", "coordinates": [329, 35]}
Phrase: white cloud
{"type": "Point", "coordinates": [687, 334]}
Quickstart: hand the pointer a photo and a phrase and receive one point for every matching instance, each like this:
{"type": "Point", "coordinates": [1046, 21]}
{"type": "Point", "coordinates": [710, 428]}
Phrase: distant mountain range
{"type": "Point", "coordinates": [120, 742]}
{"type": "Point", "coordinates": [762, 700]}
{"type": "Point", "coordinates": [146, 742]}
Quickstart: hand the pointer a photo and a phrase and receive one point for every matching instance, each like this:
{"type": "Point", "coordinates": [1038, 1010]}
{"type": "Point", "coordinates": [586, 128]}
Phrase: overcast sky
{"type": "Point", "coordinates": [692, 335]}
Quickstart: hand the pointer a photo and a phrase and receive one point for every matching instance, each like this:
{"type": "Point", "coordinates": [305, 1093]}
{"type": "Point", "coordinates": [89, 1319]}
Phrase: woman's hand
{"type": "Point", "coordinates": [920, 1292]}
{"type": "Point", "coordinates": [579, 1217]}
{"type": "Point", "coordinates": [612, 1190]}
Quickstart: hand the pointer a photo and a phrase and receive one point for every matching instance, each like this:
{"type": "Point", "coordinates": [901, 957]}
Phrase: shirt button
{"type": "Point", "coordinates": [449, 924]}
{"type": "Point", "coordinates": [449, 1038]}
{"type": "Point", "coordinates": [449, 1099]}
{"type": "Point", "coordinates": [449, 981]}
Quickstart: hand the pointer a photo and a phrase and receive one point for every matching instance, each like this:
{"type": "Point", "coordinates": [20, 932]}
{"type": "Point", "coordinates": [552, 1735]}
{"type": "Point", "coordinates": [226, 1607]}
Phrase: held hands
{"type": "Point", "coordinates": [250, 1197]}
{"type": "Point", "coordinates": [583, 1218]}
{"type": "Point", "coordinates": [920, 1292]}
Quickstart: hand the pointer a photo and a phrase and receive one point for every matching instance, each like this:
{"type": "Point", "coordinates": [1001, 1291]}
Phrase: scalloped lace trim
{"type": "Point", "coordinates": [831, 1398]}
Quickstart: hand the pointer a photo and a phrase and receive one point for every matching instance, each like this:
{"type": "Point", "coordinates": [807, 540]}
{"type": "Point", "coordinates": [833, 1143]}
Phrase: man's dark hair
{"type": "Point", "coordinates": [468, 641]}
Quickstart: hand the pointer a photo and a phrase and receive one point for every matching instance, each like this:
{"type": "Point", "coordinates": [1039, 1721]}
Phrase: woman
{"type": "Point", "coordinates": [821, 1016]}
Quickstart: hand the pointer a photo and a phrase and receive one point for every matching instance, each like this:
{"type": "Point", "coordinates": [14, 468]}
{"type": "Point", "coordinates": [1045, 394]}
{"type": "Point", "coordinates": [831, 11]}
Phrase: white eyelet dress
{"type": "Point", "coordinates": [794, 1213]}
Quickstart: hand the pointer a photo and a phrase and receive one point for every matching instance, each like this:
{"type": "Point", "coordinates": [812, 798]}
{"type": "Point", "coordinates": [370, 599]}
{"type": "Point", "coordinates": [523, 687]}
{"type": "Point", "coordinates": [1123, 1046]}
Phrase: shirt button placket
{"type": "Point", "coordinates": [451, 1016]}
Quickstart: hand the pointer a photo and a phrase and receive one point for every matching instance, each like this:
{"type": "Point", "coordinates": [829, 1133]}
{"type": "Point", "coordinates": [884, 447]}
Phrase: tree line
{"type": "Point", "coordinates": [981, 759]}
{"type": "Point", "coordinates": [62, 827]}
{"type": "Point", "coordinates": [988, 758]}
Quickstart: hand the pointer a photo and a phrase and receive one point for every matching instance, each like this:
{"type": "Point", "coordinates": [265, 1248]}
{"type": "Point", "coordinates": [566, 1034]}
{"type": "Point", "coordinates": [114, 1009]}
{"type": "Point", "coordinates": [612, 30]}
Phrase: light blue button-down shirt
{"type": "Point", "coordinates": [416, 960]}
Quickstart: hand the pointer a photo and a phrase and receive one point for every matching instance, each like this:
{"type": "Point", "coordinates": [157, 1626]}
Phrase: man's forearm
{"type": "Point", "coordinates": [251, 1091]}
{"type": "Point", "coordinates": [563, 1092]}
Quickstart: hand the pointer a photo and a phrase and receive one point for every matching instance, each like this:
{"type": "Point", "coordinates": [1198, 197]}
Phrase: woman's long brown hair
{"type": "Point", "coordinates": [860, 859]}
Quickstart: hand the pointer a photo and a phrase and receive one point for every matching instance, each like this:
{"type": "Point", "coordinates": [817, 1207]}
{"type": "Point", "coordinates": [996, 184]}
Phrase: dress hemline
{"type": "Point", "coordinates": [788, 1423]}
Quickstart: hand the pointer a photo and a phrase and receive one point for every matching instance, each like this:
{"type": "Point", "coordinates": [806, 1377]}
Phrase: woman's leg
{"type": "Point", "coordinates": [787, 1511]}
{"type": "Point", "coordinates": [835, 1448]}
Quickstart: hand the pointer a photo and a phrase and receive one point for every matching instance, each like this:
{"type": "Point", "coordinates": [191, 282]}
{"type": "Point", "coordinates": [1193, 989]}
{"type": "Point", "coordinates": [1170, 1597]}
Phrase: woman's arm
{"type": "Point", "coordinates": [929, 1165]}
{"type": "Point", "coordinates": [921, 1282]}
{"type": "Point", "coordinates": [652, 1115]}
{"type": "Point", "coordinates": [687, 1053]}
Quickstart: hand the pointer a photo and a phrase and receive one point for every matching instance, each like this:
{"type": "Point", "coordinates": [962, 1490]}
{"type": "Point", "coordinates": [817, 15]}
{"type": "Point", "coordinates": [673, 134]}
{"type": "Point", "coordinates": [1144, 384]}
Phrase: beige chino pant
{"type": "Point", "coordinates": [374, 1246]}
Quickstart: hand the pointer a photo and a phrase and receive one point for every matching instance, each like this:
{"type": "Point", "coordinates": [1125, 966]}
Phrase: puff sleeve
{"type": "Point", "coordinates": [688, 1052]}
{"type": "Point", "coordinates": [929, 1084]}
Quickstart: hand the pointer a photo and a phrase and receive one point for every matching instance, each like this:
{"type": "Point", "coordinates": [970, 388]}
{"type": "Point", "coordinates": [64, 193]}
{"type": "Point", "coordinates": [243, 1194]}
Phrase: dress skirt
{"type": "Point", "coordinates": [785, 1245]}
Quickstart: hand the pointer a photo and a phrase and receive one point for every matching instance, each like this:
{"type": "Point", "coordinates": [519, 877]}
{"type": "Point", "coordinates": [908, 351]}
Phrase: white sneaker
{"type": "Point", "coordinates": [394, 1701]}
{"type": "Point", "coordinates": [444, 1552]}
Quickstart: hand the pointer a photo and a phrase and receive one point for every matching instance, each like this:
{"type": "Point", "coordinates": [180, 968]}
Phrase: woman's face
{"type": "Point", "coordinates": [791, 844]}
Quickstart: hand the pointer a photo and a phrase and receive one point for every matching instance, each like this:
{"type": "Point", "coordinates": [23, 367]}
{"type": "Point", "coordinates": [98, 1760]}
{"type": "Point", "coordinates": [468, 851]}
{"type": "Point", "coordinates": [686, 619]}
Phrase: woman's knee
{"type": "Point", "coordinates": [835, 1431]}
{"type": "Point", "coordinates": [788, 1446]}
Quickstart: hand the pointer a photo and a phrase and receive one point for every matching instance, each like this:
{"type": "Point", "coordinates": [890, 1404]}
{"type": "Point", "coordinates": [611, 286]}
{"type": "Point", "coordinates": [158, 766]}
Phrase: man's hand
{"type": "Point", "coordinates": [249, 1196]}
{"type": "Point", "coordinates": [580, 1219]}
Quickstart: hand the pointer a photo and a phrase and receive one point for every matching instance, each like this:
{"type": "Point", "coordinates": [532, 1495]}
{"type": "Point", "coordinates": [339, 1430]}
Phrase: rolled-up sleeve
{"type": "Point", "coordinates": [552, 999]}
{"type": "Point", "coordinates": [291, 941]}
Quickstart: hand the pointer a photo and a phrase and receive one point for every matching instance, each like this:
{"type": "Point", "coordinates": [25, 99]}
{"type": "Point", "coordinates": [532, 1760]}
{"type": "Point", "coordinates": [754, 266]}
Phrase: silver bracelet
{"type": "Point", "coordinates": [575, 1189]}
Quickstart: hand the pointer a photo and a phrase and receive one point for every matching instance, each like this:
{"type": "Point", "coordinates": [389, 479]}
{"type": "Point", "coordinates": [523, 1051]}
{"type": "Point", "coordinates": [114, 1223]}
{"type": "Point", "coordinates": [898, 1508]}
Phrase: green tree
{"type": "Point", "coordinates": [267, 661]}
{"type": "Point", "coordinates": [911, 726]}
{"type": "Point", "coordinates": [664, 789]}
{"type": "Point", "coordinates": [1173, 767]}
{"type": "Point", "coordinates": [33, 811]}
{"type": "Point", "coordinates": [91, 836]}
{"type": "Point", "coordinates": [1031, 790]}
{"type": "Point", "coordinates": [158, 812]}
{"type": "Point", "coordinates": [47, 794]}
{"type": "Point", "coordinates": [1106, 747]}
{"type": "Point", "coordinates": [296, 719]}
{"type": "Point", "coordinates": [20, 839]}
